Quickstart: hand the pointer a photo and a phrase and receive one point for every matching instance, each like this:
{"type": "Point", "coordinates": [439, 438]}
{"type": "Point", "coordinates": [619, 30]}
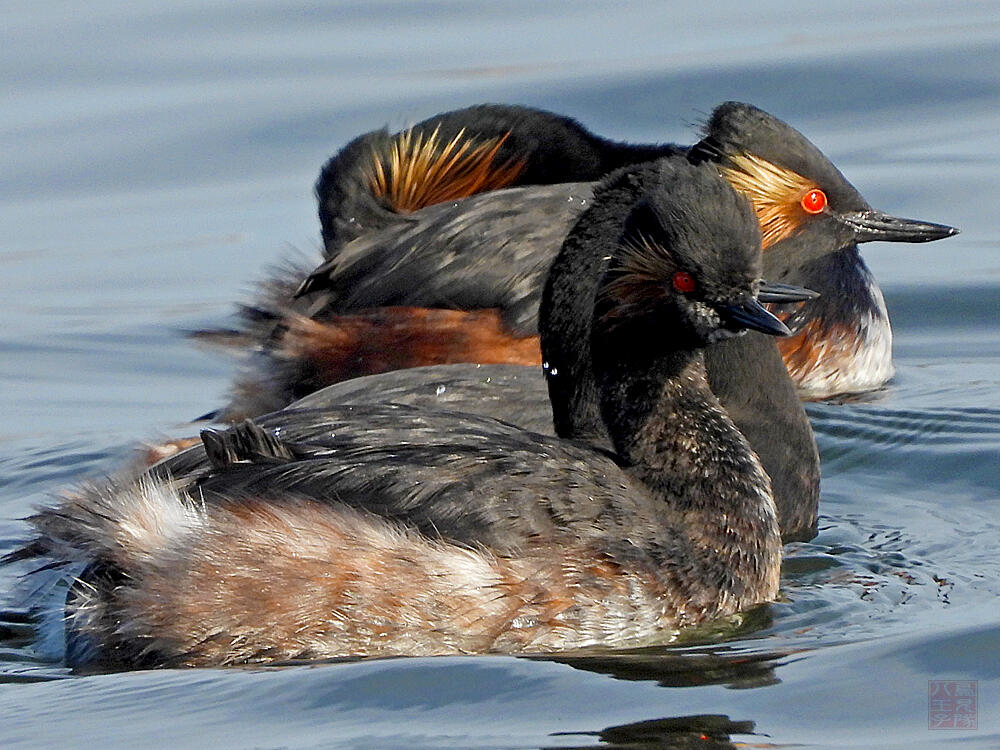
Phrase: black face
{"type": "Point", "coordinates": [689, 254]}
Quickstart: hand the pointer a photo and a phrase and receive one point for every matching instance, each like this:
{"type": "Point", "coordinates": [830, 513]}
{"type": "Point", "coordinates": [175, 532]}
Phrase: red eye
{"type": "Point", "coordinates": [684, 282]}
{"type": "Point", "coordinates": [814, 201]}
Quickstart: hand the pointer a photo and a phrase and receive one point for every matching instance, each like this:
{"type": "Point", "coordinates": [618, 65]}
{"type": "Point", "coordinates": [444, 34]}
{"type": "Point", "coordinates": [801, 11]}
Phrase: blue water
{"type": "Point", "coordinates": [155, 159]}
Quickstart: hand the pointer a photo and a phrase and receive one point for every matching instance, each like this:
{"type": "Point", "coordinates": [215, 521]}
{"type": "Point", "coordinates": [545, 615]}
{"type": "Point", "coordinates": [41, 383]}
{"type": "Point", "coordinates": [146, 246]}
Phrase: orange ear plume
{"type": "Point", "coordinates": [419, 171]}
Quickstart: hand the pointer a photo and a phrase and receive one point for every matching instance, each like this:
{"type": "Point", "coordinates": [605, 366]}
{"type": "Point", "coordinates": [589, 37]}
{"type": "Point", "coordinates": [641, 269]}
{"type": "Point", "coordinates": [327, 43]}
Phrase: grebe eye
{"type": "Point", "coordinates": [684, 282]}
{"type": "Point", "coordinates": [814, 201]}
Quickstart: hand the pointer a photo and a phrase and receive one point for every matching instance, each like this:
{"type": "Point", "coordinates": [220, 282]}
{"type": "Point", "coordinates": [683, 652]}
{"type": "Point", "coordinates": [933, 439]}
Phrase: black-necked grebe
{"type": "Point", "coordinates": [379, 530]}
{"type": "Point", "coordinates": [480, 263]}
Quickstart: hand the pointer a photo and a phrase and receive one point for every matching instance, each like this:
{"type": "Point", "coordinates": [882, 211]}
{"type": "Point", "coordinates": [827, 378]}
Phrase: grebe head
{"type": "Point", "coordinates": [796, 191]}
{"type": "Point", "coordinates": [689, 253]}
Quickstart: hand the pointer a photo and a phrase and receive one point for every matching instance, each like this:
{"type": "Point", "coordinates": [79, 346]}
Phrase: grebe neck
{"type": "Point", "coordinates": [672, 435]}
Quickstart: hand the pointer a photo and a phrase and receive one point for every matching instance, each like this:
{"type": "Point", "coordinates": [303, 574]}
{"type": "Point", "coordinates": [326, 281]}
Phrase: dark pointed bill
{"type": "Point", "coordinates": [874, 225]}
{"type": "Point", "coordinates": [752, 315]}
{"type": "Point", "coordinates": [774, 292]}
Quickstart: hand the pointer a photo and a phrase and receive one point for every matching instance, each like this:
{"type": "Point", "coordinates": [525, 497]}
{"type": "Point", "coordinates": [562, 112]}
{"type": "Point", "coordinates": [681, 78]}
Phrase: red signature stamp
{"type": "Point", "coordinates": [952, 704]}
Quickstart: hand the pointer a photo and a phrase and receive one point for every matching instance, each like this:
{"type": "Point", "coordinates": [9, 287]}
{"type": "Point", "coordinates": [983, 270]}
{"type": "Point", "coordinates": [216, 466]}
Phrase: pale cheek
{"type": "Point", "coordinates": [720, 334]}
{"type": "Point", "coordinates": [703, 319]}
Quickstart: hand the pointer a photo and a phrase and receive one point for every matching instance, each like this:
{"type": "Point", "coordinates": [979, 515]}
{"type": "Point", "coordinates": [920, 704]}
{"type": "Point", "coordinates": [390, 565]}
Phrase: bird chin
{"type": "Point", "coordinates": [721, 334]}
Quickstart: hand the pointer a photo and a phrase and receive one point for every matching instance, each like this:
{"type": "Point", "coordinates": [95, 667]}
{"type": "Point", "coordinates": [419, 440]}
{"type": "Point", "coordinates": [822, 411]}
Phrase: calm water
{"type": "Point", "coordinates": [153, 162]}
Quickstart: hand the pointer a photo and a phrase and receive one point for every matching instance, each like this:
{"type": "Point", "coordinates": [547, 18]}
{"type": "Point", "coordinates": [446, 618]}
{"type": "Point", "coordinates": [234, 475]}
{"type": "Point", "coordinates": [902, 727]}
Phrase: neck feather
{"type": "Point", "coordinates": [674, 437]}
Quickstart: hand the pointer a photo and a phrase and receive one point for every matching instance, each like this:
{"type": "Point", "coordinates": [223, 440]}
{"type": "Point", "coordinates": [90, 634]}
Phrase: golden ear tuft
{"type": "Point", "coordinates": [774, 191]}
{"type": "Point", "coordinates": [418, 171]}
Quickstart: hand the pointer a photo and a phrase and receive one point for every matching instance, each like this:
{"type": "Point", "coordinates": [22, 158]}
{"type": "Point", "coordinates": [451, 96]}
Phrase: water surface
{"type": "Point", "coordinates": [154, 161]}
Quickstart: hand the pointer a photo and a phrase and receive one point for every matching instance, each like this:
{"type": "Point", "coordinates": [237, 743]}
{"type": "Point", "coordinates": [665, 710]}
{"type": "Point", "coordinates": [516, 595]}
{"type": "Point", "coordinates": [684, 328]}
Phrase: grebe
{"type": "Point", "coordinates": [394, 530]}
